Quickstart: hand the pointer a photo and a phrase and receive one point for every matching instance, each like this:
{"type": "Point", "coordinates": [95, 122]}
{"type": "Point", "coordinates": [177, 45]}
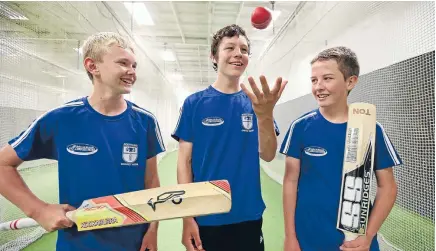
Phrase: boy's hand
{"type": "Point", "coordinates": [291, 244]}
{"type": "Point", "coordinates": [361, 243]}
{"type": "Point", "coordinates": [149, 241]}
{"type": "Point", "coordinates": [191, 235]}
{"type": "Point", "coordinates": [265, 100]}
{"type": "Point", "coordinates": [52, 217]}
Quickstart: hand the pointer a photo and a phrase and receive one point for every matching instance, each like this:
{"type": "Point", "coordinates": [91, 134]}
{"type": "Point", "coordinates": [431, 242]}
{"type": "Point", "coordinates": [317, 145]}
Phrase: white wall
{"type": "Point", "coordinates": [381, 33]}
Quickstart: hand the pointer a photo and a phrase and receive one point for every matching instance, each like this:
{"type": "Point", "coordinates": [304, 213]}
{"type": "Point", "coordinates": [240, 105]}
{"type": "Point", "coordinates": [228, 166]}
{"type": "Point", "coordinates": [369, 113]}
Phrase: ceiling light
{"type": "Point", "coordinates": [54, 74]}
{"type": "Point", "coordinates": [80, 50]}
{"type": "Point", "coordinates": [275, 14]}
{"type": "Point", "coordinates": [10, 13]}
{"type": "Point", "coordinates": [176, 76]}
{"type": "Point", "coordinates": [139, 13]}
{"type": "Point", "coordinates": [168, 56]}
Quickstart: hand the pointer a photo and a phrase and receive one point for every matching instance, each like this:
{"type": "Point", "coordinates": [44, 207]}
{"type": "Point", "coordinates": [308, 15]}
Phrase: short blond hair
{"type": "Point", "coordinates": [97, 44]}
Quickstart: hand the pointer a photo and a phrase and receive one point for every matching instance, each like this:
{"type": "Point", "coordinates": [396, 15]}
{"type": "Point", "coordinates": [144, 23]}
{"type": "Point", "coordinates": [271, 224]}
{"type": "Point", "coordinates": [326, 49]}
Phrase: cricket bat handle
{"type": "Point", "coordinates": [350, 236]}
{"type": "Point", "coordinates": [70, 215]}
{"type": "Point", "coordinates": [18, 224]}
{"type": "Point", "coordinates": [26, 223]}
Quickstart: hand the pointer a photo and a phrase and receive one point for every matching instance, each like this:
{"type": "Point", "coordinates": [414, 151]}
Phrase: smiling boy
{"type": "Point", "coordinates": [104, 145]}
{"type": "Point", "coordinates": [314, 148]}
{"type": "Point", "coordinates": [222, 132]}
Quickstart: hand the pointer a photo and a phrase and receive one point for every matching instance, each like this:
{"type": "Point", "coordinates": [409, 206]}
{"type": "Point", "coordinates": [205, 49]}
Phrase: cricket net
{"type": "Point", "coordinates": [395, 43]}
{"type": "Point", "coordinates": [41, 68]}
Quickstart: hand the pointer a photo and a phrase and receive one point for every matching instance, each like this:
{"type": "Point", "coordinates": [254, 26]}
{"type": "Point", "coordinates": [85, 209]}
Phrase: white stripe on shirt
{"type": "Point", "coordinates": [288, 142]}
{"type": "Point", "coordinates": [178, 121]}
{"type": "Point", "coordinates": [29, 129]}
{"type": "Point", "coordinates": [389, 146]}
{"type": "Point", "coordinates": [156, 128]}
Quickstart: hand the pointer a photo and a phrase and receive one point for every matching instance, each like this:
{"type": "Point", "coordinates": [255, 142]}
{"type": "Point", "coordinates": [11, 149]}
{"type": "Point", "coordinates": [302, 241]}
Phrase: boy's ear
{"type": "Point", "coordinates": [213, 59]}
{"type": "Point", "coordinates": [90, 66]}
{"type": "Point", "coordinates": [351, 82]}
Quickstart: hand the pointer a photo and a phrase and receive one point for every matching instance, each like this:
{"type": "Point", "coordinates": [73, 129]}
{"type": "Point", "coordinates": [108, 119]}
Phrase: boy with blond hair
{"type": "Point", "coordinates": [104, 145]}
{"type": "Point", "coordinates": [312, 181]}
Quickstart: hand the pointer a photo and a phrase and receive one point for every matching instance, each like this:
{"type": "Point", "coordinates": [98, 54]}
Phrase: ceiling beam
{"type": "Point", "coordinates": [177, 21]}
{"type": "Point", "coordinates": [282, 29]}
{"type": "Point", "coordinates": [38, 85]}
{"type": "Point", "coordinates": [44, 39]}
{"type": "Point", "coordinates": [33, 55]}
{"type": "Point", "coordinates": [194, 68]}
{"type": "Point", "coordinates": [199, 62]}
{"type": "Point", "coordinates": [174, 39]}
{"type": "Point", "coordinates": [80, 13]}
{"type": "Point", "coordinates": [177, 60]}
{"type": "Point", "coordinates": [186, 46]}
{"type": "Point", "coordinates": [139, 43]}
{"type": "Point", "coordinates": [241, 6]}
{"type": "Point", "coordinates": [210, 10]}
{"type": "Point", "coordinates": [177, 38]}
{"type": "Point", "coordinates": [195, 75]}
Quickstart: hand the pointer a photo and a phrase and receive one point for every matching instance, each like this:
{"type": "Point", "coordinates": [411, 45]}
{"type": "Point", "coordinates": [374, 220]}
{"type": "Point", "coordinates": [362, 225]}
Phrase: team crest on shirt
{"type": "Point", "coordinates": [130, 154]}
{"type": "Point", "coordinates": [247, 122]}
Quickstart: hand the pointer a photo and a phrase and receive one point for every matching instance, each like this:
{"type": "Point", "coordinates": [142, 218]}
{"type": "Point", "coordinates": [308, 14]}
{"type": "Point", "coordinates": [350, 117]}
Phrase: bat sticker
{"type": "Point", "coordinates": [174, 196]}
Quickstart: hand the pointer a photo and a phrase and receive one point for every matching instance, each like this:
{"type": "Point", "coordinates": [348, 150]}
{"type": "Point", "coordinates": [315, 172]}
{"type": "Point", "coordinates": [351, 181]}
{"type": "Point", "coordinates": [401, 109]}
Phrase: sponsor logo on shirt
{"type": "Point", "coordinates": [81, 149]}
{"type": "Point", "coordinates": [315, 151]}
{"type": "Point", "coordinates": [212, 121]}
{"type": "Point", "coordinates": [247, 122]}
{"type": "Point", "coordinates": [130, 154]}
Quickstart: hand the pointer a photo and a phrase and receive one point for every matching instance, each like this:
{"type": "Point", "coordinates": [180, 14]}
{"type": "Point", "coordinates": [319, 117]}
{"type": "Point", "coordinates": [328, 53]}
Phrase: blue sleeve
{"type": "Point", "coordinates": [292, 143]}
{"type": "Point", "coordinates": [385, 154]}
{"type": "Point", "coordinates": [276, 128]}
{"type": "Point", "coordinates": [154, 139]}
{"type": "Point", "coordinates": [37, 141]}
{"type": "Point", "coordinates": [183, 128]}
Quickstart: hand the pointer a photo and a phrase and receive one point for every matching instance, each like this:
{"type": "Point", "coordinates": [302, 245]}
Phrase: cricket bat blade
{"type": "Point", "coordinates": [357, 170]}
{"type": "Point", "coordinates": [144, 206]}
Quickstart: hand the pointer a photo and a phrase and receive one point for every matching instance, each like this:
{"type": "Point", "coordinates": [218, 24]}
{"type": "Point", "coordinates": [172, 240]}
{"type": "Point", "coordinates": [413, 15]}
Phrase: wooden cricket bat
{"type": "Point", "coordinates": [357, 170]}
{"type": "Point", "coordinates": [163, 203]}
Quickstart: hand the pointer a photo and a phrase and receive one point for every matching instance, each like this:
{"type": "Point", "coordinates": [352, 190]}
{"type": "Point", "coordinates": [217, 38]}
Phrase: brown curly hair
{"type": "Point", "coordinates": [228, 31]}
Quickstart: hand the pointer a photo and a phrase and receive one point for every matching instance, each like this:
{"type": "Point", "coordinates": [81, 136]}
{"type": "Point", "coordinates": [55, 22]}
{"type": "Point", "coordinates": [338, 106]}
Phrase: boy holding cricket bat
{"type": "Point", "coordinates": [314, 149]}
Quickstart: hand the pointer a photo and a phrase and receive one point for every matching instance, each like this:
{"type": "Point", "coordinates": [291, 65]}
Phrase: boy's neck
{"type": "Point", "coordinates": [104, 101]}
{"type": "Point", "coordinates": [337, 113]}
{"type": "Point", "coordinates": [227, 85]}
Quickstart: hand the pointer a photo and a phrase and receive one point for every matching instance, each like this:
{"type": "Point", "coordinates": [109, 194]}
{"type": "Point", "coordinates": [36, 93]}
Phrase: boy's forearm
{"type": "Point", "coordinates": [385, 200]}
{"type": "Point", "coordinates": [153, 226]}
{"type": "Point", "coordinates": [289, 203]}
{"type": "Point", "coordinates": [14, 189]}
{"type": "Point", "coordinates": [267, 137]}
{"type": "Point", "coordinates": [153, 181]}
{"type": "Point", "coordinates": [184, 170]}
{"type": "Point", "coordinates": [184, 173]}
